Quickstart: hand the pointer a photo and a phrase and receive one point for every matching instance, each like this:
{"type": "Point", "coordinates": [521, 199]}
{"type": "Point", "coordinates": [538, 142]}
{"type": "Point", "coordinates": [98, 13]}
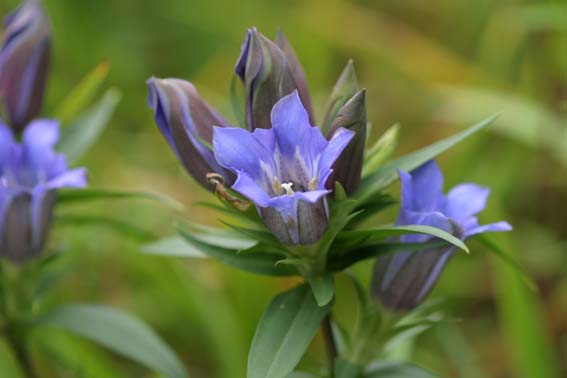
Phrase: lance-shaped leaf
{"type": "Point", "coordinates": [267, 77]}
{"type": "Point", "coordinates": [285, 331]}
{"type": "Point", "coordinates": [186, 121]}
{"type": "Point", "coordinates": [120, 332]}
{"type": "Point", "coordinates": [24, 62]}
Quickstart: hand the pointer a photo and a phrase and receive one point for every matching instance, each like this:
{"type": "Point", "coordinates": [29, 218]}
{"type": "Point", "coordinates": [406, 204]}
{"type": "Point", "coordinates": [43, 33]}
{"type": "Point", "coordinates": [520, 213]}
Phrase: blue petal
{"type": "Point", "coordinates": [492, 227]}
{"type": "Point", "coordinates": [341, 138]}
{"type": "Point", "coordinates": [39, 138]}
{"type": "Point", "coordinates": [251, 190]}
{"type": "Point", "coordinates": [427, 185]}
{"type": "Point", "coordinates": [241, 151]}
{"type": "Point", "coordinates": [466, 200]}
{"type": "Point", "coordinates": [76, 178]}
{"type": "Point", "coordinates": [290, 122]}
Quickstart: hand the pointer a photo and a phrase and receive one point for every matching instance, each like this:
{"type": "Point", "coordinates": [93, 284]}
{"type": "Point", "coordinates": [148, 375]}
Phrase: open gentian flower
{"type": "Point", "coordinates": [284, 169]}
{"type": "Point", "coordinates": [403, 280]}
{"type": "Point", "coordinates": [24, 61]}
{"type": "Point", "coordinates": [30, 174]}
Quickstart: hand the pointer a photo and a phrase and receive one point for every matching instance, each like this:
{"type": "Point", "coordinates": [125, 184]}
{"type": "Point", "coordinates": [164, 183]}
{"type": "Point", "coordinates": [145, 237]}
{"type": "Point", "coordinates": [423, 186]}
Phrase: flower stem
{"type": "Point", "coordinates": [330, 344]}
{"type": "Point", "coordinates": [17, 344]}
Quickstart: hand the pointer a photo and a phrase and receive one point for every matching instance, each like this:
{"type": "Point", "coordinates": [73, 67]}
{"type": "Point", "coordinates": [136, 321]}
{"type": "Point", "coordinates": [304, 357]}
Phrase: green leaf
{"type": "Point", "coordinates": [285, 331]}
{"type": "Point", "coordinates": [323, 287]}
{"type": "Point", "coordinates": [255, 262]}
{"type": "Point", "coordinates": [70, 196]}
{"type": "Point", "coordinates": [81, 135]}
{"type": "Point", "coordinates": [370, 236]}
{"type": "Point", "coordinates": [387, 174]}
{"type": "Point", "coordinates": [346, 369]}
{"type": "Point", "coordinates": [339, 262]}
{"type": "Point", "coordinates": [509, 261]}
{"type": "Point", "coordinates": [391, 369]}
{"type": "Point", "coordinates": [173, 246]}
{"type": "Point", "coordinates": [120, 332]}
{"type": "Point", "coordinates": [82, 95]}
{"type": "Point", "coordinates": [122, 227]}
{"type": "Point", "coordinates": [381, 151]}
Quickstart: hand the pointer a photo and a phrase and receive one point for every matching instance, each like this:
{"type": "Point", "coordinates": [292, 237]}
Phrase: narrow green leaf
{"type": "Point", "coordinates": [339, 262]}
{"type": "Point", "coordinates": [120, 332]}
{"type": "Point", "coordinates": [381, 151]}
{"type": "Point", "coordinates": [81, 135]}
{"type": "Point", "coordinates": [508, 260]}
{"type": "Point", "coordinates": [71, 196]}
{"type": "Point", "coordinates": [285, 331]}
{"type": "Point", "coordinates": [391, 369]}
{"type": "Point", "coordinates": [323, 287]}
{"type": "Point", "coordinates": [117, 225]}
{"type": "Point", "coordinates": [173, 246]}
{"type": "Point", "coordinates": [387, 174]}
{"type": "Point", "coordinates": [370, 236]}
{"type": "Point", "coordinates": [82, 95]}
{"type": "Point", "coordinates": [346, 369]}
{"type": "Point", "coordinates": [255, 262]}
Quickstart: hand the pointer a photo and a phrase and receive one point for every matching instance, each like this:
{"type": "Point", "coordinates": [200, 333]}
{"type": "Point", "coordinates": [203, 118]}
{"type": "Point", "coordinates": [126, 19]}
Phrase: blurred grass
{"type": "Point", "coordinates": [431, 66]}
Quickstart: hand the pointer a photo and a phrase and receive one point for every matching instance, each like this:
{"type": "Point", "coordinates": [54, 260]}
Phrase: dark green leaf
{"type": "Point", "coordinates": [120, 332]}
{"type": "Point", "coordinates": [338, 262]}
{"type": "Point", "coordinates": [371, 236]}
{"type": "Point", "coordinates": [79, 137]}
{"type": "Point", "coordinates": [285, 331]}
{"type": "Point", "coordinates": [255, 262]}
{"type": "Point", "coordinates": [391, 369]}
{"type": "Point", "coordinates": [70, 196]}
{"type": "Point", "coordinates": [323, 287]}
{"type": "Point", "coordinates": [387, 174]}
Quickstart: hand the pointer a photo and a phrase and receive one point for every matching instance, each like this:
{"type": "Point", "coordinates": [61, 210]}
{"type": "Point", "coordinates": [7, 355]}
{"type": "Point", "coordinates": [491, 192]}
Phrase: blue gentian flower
{"type": "Point", "coordinates": [403, 280]}
{"type": "Point", "coordinates": [24, 61]}
{"type": "Point", "coordinates": [30, 174]}
{"type": "Point", "coordinates": [283, 169]}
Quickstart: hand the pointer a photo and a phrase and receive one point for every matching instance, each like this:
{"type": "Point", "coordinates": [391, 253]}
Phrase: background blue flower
{"type": "Point", "coordinates": [402, 281]}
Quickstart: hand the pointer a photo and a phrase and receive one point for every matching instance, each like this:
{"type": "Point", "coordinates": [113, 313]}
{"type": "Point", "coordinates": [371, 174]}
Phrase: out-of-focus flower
{"type": "Point", "coordinates": [30, 174]}
{"type": "Point", "coordinates": [268, 72]}
{"type": "Point", "coordinates": [403, 280]}
{"type": "Point", "coordinates": [186, 121]}
{"type": "Point", "coordinates": [284, 169]}
{"type": "Point", "coordinates": [24, 62]}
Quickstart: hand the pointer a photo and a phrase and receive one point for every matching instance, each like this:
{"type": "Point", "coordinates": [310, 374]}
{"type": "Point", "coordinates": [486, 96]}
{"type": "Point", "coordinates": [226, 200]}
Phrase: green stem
{"type": "Point", "coordinates": [330, 344]}
{"type": "Point", "coordinates": [17, 343]}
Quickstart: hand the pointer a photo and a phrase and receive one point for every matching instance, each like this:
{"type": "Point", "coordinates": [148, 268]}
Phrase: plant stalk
{"type": "Point", "coordinates": [20, 351]}
{"type": "Point", "coordinates": [330, 344]}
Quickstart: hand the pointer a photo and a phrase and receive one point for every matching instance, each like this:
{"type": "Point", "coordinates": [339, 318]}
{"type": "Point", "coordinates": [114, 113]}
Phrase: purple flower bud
{"type": "Point", "coordinates": [348, 168]}
{"type": "Point", "coordinates": [297, 72]}
{"type": "Point", "coordinates": [284, 169]}
{"type": "Point", "coordinates": [30, 174]}
{"type": "Point", "coordinates": [186, 121]}
{"type": "Point", "coordinates": [24, 62]}
{"type": "Point", "coordinates": [402, 281]}
{"type": "Point", "coordinates": [267, 75]}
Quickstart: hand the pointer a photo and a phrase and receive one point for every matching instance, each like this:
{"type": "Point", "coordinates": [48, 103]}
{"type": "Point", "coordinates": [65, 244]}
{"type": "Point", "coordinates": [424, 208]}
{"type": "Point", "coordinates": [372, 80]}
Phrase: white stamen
{"type": "Point", "coordinates": [287, 187]}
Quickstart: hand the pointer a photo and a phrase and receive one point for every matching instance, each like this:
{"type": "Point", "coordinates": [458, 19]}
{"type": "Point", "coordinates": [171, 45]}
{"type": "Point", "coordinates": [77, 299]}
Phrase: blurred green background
{"type": "Point", "coordinates": [434, 67]}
